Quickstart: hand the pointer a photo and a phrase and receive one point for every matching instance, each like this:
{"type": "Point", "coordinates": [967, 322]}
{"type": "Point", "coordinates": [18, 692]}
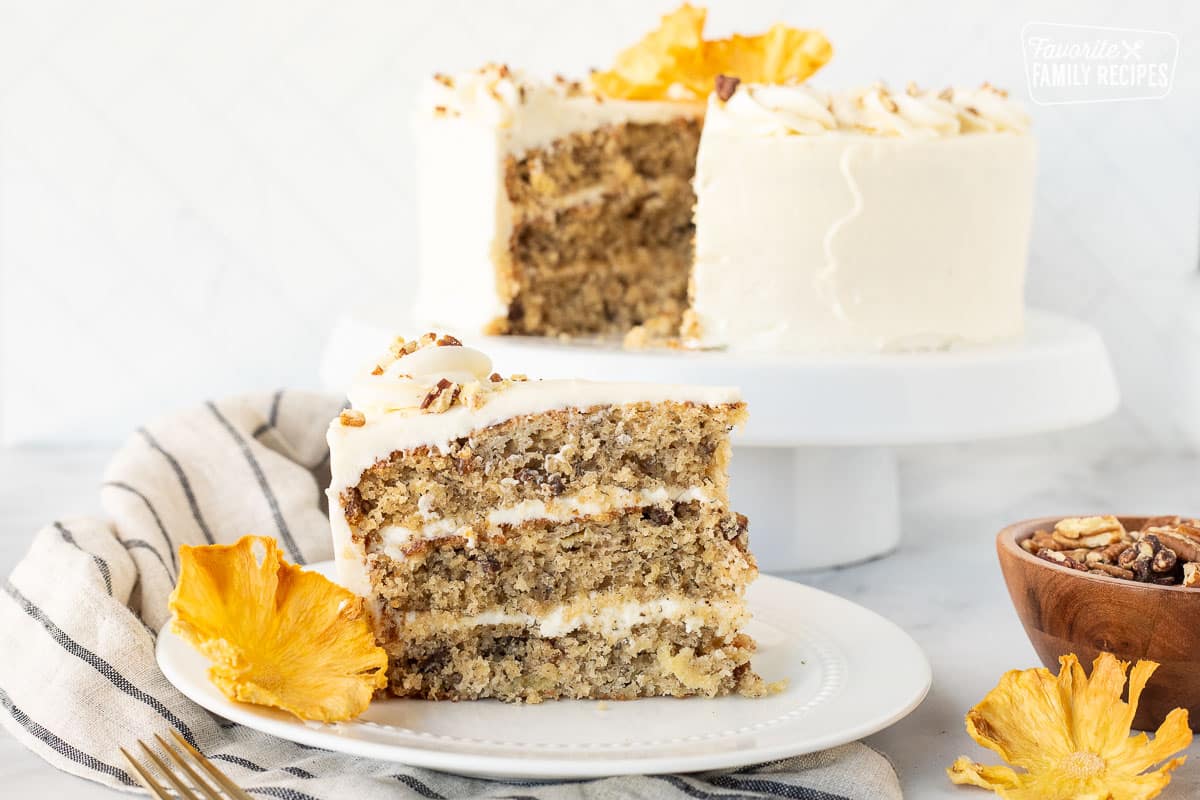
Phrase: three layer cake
{"type": "Point", "coordinates": [527, 540]}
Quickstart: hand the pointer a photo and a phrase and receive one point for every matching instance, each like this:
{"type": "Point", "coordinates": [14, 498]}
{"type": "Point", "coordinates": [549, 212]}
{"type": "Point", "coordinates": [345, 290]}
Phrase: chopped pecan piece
{"type": "Point", "coordinates": [441, 396]}
{"type": "Point", "coordinates": [1079, 527]}
{"type": "Point", "coordinates": [1062, 559]}
{"type": "Point", "coordinates": [352, 418]}
{"type": "Point", "coordinates": [726, 85]}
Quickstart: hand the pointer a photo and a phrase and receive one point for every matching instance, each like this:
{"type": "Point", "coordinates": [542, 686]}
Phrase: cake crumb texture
{"type": "Point", "coordinates": [602, 235]}
{"type": "Point", "coordinates": [505, 663]}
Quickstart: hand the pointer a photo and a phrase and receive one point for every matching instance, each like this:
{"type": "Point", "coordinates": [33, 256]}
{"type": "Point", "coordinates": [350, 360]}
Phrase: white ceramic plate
{"type": "Point", "coordinates": [850, 673]}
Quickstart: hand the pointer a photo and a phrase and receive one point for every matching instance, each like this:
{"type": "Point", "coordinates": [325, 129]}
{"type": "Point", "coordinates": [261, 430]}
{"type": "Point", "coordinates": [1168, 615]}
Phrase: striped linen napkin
{"type": "Point", "coordinates": [79, 615]}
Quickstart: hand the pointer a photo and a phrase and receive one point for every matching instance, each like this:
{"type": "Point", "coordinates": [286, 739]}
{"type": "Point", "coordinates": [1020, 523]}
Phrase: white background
{"type": "Point", "coordinates": [192, 192]}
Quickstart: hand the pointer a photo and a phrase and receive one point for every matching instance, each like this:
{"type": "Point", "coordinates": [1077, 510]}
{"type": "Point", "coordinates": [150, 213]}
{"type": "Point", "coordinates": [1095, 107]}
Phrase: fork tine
{"type": "Point", "coordinates": [194, 776]}
{"type": "Point", "coordinates": [179, 785]}
{"type": "Point", "coordinates": [229, 786]}
{"type": "Point", "coordinates": [152, 785]}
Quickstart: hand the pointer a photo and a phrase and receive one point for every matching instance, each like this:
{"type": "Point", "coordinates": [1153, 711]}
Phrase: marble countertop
{"type": "Point", "coordinates": [943, 585]}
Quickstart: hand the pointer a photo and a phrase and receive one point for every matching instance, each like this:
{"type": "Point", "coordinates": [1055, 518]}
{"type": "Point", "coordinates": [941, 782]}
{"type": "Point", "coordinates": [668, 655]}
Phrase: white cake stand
{"type": "Point", "coordinates": [814, 468]}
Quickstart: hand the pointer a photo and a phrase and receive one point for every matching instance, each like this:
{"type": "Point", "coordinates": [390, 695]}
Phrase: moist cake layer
{"type": "Point", "coordinates": [505, 662]}
{"type": "Point", "coordinates": [690, 550]}
{"type": "Point", "coordinates": [612, 156]}
{"type": "Point", "coordinates": [605, 228]}
{"type": "Point", "coordinates": [619, 256]}
{"type": "Point", "coordinates": [545, 459]}
{"type": "Point", "coordinates": [602, 296]}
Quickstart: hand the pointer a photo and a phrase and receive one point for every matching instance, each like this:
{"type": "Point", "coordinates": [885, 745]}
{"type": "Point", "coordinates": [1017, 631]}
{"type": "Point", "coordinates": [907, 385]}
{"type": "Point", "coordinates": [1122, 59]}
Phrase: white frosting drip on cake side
{"type": "Point", "coordinates": [396, 538]}
{"type": "Point", "coordinates": [596, 613]}
{"type": "Point", "coordinates": [773, 110]}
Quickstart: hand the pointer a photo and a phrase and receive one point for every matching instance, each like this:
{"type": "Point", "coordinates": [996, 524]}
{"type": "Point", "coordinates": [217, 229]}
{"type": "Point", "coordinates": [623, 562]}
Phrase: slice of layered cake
{"type": "Point", "coordinates": [527, 540]}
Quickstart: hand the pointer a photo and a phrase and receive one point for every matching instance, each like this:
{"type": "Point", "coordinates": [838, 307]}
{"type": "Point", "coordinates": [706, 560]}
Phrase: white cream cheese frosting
{"type": "Point", "coordinates": [861, 220]}
{"type": "Point", "coordinates": [614, 620]}
{"type": "Point", "coordinates": [802, 110]}
{"type": "Point", "coordinates": [528, 112]}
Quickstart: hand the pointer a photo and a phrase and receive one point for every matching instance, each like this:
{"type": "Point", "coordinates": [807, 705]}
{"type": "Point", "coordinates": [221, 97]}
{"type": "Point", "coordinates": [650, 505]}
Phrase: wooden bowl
{"type": "Point", "coordinates": [1068, 611]}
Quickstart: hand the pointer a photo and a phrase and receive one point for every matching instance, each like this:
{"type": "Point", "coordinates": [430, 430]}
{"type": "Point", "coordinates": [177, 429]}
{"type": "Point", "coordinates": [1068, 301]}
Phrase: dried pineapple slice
{"type": "Point", "coordinates": [277, 635]}
{"type": "Point", "coordinates": [645, 70]}
{"type": "Point", "coordinates": [676, 56]}
{"type": "Point", "coordinates": [1071, 735]}
{"type": "Point", "coordinates": [781, 55]}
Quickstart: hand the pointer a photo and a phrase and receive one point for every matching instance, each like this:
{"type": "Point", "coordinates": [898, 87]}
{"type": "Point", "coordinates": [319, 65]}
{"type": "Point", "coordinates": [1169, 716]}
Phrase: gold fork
{"type": "Point", "coordinates": [184, 774]}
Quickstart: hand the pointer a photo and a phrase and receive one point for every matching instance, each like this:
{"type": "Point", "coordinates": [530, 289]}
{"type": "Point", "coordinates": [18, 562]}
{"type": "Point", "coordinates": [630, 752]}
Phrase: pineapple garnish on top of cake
{"type": "Point", "coordinates": [536, 539]}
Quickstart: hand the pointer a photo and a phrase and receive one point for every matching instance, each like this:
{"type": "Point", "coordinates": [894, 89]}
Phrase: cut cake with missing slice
{"type": "Point", "coordinates": [857, 220]}
{"type": "Point", "coordinates": [529, 540]}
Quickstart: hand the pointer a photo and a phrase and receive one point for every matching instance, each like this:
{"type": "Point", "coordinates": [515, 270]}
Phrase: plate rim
{"type": "Point", "coordinates": [542, 765]}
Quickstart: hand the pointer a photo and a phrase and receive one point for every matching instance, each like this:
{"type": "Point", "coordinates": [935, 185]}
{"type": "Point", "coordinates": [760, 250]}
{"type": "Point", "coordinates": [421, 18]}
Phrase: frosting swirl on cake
{"type": "Point", "coordinates": [875, 110]}
{"type": "Point", "coordinates": [406, 382]}
{"type": "Point", "coordinates": [778, 110]}
{"type": "Point", "coordinates": [990, 109]}
{"type": "Point", "coordinates": [789, 110]}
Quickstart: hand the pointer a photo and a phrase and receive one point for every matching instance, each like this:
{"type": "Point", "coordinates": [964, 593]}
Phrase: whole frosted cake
{"type": "Point", "coordinates": [528, 540]}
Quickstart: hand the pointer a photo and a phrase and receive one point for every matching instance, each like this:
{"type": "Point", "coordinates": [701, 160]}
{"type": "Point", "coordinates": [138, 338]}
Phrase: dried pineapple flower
{"type": "Point", "coordinates": [277, 635]}
{"type": "Point", "coordinates": [676, 56]}
{"type": "Point", "coordinates": [1071, 734]}
{"type": "Point", "coordinates": [643, 71]}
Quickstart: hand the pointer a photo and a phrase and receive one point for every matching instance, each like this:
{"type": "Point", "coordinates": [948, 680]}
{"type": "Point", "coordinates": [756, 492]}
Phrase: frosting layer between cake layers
{"type": "Point", "coordinates": [397, 538]}
{"type": "Point", "coordinates": [613, 618]}
{"type": "Point", "coordinates": [861, 220]}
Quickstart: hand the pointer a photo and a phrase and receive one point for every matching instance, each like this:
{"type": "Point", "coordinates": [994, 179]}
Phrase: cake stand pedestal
{"type": "Point", "coordinates": [814, 467]}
